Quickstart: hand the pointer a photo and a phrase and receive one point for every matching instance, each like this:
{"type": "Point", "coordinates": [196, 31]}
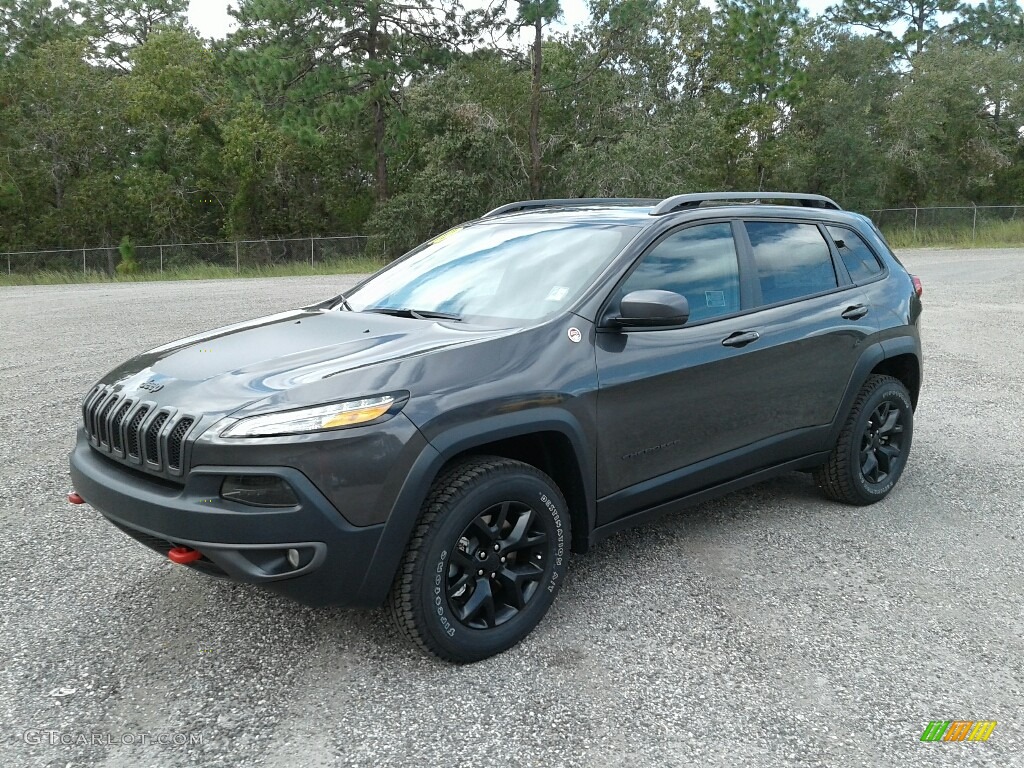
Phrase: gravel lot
{"type": "Point", "coordinates": [767, 628]}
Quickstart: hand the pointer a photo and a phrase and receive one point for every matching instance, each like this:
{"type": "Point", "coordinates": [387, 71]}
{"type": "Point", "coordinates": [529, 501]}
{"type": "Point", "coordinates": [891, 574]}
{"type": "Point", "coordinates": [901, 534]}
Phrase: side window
{"type": "Point", "coordinates": [699, 263]}
{"type": "Point", "coordinates": [793, 260]}
{"type": "Point", "coordinates": [856, 255]}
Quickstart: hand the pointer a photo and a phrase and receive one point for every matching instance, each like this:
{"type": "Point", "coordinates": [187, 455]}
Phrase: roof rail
{"type": "Point", "coordinates": [682, 202]}
{"type": "Point", "coordinates": [572, 202]}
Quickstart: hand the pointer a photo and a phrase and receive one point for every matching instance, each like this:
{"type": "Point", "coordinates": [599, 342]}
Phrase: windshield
{"type": "Point", "coordinates": [502, 271]}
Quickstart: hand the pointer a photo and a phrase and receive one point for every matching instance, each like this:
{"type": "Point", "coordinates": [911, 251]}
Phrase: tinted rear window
{"type": "Point", "coordinates": [793, 260]}
{"type": "Point", "coordinates": [857, 256]}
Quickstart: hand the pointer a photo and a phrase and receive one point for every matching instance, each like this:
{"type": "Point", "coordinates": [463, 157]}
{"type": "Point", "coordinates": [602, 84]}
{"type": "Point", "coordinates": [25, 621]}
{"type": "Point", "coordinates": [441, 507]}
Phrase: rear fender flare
{"type": "Point", "coordinates": [871, 357]}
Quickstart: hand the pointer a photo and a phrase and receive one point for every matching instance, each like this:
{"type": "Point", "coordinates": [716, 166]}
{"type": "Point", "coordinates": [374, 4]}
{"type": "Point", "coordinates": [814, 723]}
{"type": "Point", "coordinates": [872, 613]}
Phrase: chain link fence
{"type": "Point", "coordinates": [952, 223]}
{"type": "Point", "coordinates": [237, 255]}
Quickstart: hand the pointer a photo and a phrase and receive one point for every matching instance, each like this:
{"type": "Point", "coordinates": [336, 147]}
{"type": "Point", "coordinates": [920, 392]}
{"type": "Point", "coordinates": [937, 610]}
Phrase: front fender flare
{"type": "Point", "coordinates": [402, 520]}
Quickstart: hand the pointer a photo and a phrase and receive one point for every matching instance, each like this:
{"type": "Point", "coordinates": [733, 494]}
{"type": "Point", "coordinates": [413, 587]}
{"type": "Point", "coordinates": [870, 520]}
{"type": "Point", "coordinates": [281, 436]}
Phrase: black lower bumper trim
{"type": "Point", "coordinates": [242, 543]}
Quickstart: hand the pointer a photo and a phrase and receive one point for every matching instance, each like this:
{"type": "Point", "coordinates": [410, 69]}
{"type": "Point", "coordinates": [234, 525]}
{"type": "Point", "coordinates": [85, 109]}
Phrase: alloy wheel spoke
{"type": "Point", "coordinates": [511, 588]}
{"type": "Point", "coordinates": [484, 533]}
{"type": "Point", "coordinates": [870, 466]}
{"type": "Point", "coordinates": [518, 536]}
{"type": "Point", "coordinates": [460, 584]}
{"type": "Point", "coordinates": [881, 414]}
{"type": "Point", "coordinates": [499, 523]}
{"type": "Point", "coordinates": [481, 601]}
{"type": "Point", "coordinates": [887, 455]}
{"type": "Point", "coordinates": [463, 560]}
{"type": "Point", "coordinates": [890, 422]}
{"type": "Point", "coordinates": [518, 578]}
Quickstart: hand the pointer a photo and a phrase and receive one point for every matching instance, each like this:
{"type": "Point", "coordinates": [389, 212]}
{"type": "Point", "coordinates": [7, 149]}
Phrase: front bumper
{"type": "Point", "coordinates": [240, 542]}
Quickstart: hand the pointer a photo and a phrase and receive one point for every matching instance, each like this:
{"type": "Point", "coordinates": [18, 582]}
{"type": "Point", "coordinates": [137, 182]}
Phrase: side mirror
{"type": "Point", "coordinates": [652, 309]}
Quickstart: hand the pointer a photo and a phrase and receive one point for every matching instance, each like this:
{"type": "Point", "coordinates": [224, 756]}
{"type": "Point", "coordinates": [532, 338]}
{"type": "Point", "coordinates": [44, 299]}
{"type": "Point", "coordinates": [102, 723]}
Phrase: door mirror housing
{"type": "Point", "coordinates": [652, 309]}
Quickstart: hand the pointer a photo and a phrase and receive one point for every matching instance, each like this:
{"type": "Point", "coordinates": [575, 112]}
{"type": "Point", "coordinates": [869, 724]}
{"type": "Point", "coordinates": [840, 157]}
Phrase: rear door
{"type": "Point", "coordinates": [811, 322]}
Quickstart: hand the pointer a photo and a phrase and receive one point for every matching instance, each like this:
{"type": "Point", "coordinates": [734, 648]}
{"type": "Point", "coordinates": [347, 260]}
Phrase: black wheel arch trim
{"type": "Point", "coordinates": [869, 359]}
{"type": "Point", "coordinates": [448, 445]}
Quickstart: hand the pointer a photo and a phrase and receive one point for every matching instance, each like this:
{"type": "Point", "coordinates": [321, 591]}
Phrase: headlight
{"type": "Point", "coordinates": [316, 419]}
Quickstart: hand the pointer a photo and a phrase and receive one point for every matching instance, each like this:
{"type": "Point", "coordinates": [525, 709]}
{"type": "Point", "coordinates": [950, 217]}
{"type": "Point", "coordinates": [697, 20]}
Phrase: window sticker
{"type": "Point", "coordinates": [557, 293]}
{"type": "Point", "coordinates": [446, 235]}
{"type": "Point", "coordinates": [715, 298]}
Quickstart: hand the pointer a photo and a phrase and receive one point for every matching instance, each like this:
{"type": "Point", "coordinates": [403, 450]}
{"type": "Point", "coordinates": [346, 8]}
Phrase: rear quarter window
{"type": "Point", "coordinates": [858, 257]}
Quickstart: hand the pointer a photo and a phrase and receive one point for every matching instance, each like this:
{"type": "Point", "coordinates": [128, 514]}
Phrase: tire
{"type": "Point", "coordinates": [485, 514]}
{"type": "Point", "coordinates": [873, 446]}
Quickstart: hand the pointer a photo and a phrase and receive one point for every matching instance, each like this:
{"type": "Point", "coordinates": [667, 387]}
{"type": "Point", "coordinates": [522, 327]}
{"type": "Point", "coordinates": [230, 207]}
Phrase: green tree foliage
{"type": "Point", "coordinates": [343, 63]}
{"type": "Point", "coordinates": [996, 24]}
{"type": "Point", "coordinates": [944, 125]}
{"type": "Point", "coordinates": [27, 24]}
{"type": "Point", "coordinates": [128, 265]}
{"type": "Point", "coordinates": [115, 27]}
{"type": "Point", "coordinates": [759, 60]}
{"type": "Point", "coordinates": [833, 143]}
{"type": "Point", "coordinates": [918, 18]}
{"type": "Point", "coordinates": [400, 118]}
{"type": "Point", "coordinates": [63, 149]}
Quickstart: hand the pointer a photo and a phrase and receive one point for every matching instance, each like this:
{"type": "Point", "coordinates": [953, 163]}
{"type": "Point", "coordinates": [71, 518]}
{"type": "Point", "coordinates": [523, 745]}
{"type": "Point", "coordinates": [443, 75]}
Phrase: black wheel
{"type": "Point", "coordinates": [485, 561]}
{"type": "Point", "coordinates": [873, 446]}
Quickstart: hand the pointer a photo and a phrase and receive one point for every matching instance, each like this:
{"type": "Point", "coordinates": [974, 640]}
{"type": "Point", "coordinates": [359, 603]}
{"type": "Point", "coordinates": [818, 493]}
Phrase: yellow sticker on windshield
{"type": "Point", "coordinates": [446, 235]}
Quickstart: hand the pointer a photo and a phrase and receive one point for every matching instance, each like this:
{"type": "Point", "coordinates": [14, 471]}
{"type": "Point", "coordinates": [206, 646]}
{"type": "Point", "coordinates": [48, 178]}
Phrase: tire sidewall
{"type": "Point", "coordinates": [896, 394]}
{"type": "Point", "coordinates": [444, 628]}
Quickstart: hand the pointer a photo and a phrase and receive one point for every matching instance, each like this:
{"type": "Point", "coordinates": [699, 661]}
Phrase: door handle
{"type": "Point", "coordinates": [740, 338]}
{"type": "Point", "coordinates": [856, 312]}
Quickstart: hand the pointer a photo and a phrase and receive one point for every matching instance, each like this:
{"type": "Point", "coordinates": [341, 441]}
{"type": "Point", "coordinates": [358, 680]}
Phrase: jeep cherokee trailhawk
{"type": "Point", "coordinates": [442, 437]}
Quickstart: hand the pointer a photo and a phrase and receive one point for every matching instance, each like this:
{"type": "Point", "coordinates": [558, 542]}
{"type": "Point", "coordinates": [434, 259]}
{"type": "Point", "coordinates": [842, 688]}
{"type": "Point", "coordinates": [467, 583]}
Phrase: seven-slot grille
{"type": "Point", "coordinates": [136, 432]}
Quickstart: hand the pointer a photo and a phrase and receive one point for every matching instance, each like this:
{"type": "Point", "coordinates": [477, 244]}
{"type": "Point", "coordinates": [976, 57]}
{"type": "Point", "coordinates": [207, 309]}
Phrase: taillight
{"type": "Point", "coordinates": [918, 288]}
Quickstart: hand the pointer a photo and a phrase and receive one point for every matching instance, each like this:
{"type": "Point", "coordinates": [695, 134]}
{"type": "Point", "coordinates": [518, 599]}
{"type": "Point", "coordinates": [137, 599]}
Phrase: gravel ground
{"type": "Point", "coordinates": [768, 628]}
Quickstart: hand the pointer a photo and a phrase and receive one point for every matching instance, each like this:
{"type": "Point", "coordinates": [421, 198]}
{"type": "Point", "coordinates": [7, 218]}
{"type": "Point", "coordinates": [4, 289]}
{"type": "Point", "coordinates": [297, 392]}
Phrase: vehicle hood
{"type": "Point", "coordinates": [225, 369]}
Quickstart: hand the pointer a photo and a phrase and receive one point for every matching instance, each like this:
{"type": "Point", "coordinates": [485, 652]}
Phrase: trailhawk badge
{"type": "Point", "coordinates": [575, 336]}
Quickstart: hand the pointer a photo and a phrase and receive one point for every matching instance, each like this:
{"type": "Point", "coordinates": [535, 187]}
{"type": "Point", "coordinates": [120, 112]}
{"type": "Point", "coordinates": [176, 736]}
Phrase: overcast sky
{"type": "Point", "coordinates": [211, 18]}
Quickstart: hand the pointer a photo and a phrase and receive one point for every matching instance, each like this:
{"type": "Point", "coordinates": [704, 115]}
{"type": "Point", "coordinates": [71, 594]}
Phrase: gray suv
{"type": "Point", "coordinates": [441, 438]}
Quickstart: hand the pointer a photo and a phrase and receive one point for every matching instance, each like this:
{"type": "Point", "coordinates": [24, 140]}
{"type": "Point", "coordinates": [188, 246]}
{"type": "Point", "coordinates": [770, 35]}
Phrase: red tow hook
{"type": "Point", "coordinates": [74, 498]}
{"type": "Point", "coordinates": [184, 555]}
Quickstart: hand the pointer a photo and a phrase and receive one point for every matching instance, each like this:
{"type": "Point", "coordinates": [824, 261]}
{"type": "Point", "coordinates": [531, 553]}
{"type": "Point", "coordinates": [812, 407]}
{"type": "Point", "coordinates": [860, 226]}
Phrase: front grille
{"type": "Point", "coordinates": [133, 431]}
{"type": "Point", "coordinates": [174, 441]}
{"type": "Point", "coordinates": [87, 408]}
{"type": "Point", "coordinates": [153, 439]}
{"type": "Point", "coordinates": [115, 426]}
{"type": "Point", "coordinates": [136, 433]}
{"type": "Point", "coordinates": [103, 419]}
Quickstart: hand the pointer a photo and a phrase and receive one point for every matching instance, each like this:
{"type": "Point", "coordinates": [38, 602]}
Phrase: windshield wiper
{"type": "Point", "coordinates": [418, 314]}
